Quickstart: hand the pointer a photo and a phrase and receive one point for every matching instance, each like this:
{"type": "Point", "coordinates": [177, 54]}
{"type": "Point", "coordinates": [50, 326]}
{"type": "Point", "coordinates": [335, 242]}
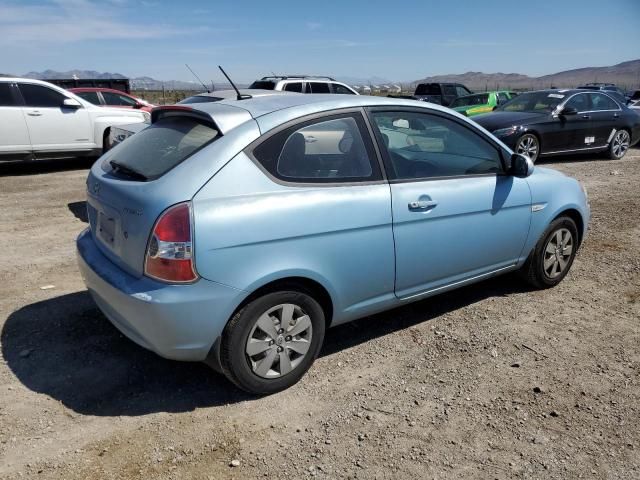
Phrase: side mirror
{"type": "Point", "coordinates": [71, 103]}
{"type": "Point", "coordinates": [569, 111]}
{"type": "Point", "coordinates": [521, 165]}
{"type": "Point", "coordinates": [138, 105]}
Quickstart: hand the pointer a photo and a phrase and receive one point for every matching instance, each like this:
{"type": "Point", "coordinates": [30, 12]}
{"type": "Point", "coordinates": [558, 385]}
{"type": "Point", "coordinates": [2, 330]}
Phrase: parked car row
{"type": "Point", "coordinates": [41, 120]}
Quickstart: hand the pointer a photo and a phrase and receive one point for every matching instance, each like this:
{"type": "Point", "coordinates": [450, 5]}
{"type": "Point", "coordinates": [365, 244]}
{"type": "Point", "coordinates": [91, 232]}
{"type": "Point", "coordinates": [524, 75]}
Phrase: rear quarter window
{"type": "Point", "coordinates": [160, 147]}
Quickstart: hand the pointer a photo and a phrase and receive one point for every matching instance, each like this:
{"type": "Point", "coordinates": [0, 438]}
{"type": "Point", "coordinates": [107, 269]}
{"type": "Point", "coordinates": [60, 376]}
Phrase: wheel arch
{"type": "Point", "coordinates": [576, 216]}
{"type": "Point", "coordinates": [297, 283]}
{"type": "Point", "coordinates": [293, 282]}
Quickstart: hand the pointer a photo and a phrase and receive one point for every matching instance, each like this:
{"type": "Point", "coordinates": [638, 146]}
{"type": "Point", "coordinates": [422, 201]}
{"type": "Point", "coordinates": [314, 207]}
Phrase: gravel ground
{"type": "Point", "coordinates": [491, 381]}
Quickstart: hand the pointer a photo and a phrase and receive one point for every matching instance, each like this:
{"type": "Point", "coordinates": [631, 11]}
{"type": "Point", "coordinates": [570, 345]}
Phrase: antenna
{"type": "Point", "coordinates": [198, 78]}
{"type": "Point", "coordinates": [240, 96]}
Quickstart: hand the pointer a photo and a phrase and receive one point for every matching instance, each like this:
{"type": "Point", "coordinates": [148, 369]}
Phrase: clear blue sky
{"type": "Point", "coordinates": [397, 40]}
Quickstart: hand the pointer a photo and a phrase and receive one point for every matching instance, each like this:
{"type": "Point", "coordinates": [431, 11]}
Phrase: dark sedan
{"type": "Point", "coordinates": [552, 122]}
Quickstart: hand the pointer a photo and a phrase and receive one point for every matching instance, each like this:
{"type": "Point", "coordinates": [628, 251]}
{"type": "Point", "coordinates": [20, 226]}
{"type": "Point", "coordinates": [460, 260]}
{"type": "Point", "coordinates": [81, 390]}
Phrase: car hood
{"type": "Point", "coordinates": [499, 119]}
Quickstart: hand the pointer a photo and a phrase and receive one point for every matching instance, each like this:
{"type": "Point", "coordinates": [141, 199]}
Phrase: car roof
{"type": "Point", "coordinates": [230, 112]}
{"type": "Point", "coordinates": [97, 89]}
{"type": "Point", "coordinates": [231, 94]}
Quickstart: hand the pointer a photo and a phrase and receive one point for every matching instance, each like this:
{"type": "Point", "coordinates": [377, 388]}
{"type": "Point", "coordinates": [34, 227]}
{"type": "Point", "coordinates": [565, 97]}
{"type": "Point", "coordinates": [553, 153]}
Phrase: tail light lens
{"type": "Point", "coordinates": [169, 255]}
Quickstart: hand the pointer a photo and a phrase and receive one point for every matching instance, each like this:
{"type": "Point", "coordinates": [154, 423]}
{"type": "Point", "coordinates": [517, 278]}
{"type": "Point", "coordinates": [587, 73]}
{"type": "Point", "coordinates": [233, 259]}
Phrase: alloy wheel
{"type": "Point", "coordinates": [279, 340]}
{"type": "Point", "coordinates": [557, 253]}
{"type": "Point", "coordinates": [528, 145]}
{"type": "Point", "coordinates": [620, 143]}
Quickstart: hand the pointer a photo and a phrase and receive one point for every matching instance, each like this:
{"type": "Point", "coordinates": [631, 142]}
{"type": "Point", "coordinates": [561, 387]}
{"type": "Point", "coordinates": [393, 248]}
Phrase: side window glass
{"type": "Point", "coordinates": [580, 102]}
{"type": "Point", "coordinates": [462, 91]}
{"type": "Point", "coordinates": [602, 102]}
{"type": "Point", "coordinates": [115, 99]}
{"type": "Point", "coordinates": [327, 150]}
{"type": "Point", "coordinates": [319, 87]}
{"type": "Point", "coordinates": [450, 90]}
{"type": "Point", "coordinates": [6, 99]}
{"type": "Point", "coordinates": [91, 97]}
{"type": "Point", "coordinates": [426, 146]}
{"type": "Point", "coordinates": [40, 96]}
{"type": "Point", "coordinates": [293, 87]}
{"type": "Point", "coordinates": [341, 89]}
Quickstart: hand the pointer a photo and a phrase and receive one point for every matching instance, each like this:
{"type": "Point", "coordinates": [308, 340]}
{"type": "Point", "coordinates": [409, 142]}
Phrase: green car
{"type": "Point", "coordinates": [477, 103]}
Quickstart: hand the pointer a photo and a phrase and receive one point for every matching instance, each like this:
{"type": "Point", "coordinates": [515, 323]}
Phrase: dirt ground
{"type": "Point", "coordinates": [491, 381]}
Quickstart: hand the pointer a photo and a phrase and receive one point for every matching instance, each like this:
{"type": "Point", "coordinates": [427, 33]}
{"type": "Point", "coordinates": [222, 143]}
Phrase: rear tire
{"type": "Point", "coordinates": [271, 342]}
{"type": "Point", "coordinates": [553, 255]}
{"type": "Point", "coordinates": [619, 145]}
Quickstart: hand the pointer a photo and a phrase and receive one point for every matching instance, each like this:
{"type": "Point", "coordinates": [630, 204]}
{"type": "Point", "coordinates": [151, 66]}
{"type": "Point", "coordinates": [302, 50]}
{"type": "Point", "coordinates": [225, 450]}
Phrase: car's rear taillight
{"type": "Point", "coordinates": [170, 251]}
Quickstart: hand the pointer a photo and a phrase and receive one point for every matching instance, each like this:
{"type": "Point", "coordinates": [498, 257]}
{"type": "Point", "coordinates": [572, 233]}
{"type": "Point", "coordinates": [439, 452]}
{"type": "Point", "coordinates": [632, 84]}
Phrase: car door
{"type": "Point", "coordinates": [14, 134]}
{"type": "Point", "coordinates": [605, 118]}
{"type": "Point", "coordinates": [569, 132]}
{"type": "Point", "coordinates": [456, 214]}
{"type": "Point", "coordinates": [52, 126]}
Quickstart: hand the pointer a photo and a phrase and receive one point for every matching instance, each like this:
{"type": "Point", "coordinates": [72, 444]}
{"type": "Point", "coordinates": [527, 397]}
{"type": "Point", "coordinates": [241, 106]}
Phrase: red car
{"type": "Point", "coordinates": [107, 97]}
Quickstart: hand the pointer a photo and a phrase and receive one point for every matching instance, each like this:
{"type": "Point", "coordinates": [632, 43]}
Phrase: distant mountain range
{"type": "Point", "coordinates": [137, 83]}
{"type": "Point", "coordinates": [625, 75]}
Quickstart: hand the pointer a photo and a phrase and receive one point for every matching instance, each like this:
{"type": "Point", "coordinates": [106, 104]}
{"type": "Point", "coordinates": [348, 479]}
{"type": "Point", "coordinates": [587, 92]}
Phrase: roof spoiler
{"type": "Point", "coordinates": [181, 111]}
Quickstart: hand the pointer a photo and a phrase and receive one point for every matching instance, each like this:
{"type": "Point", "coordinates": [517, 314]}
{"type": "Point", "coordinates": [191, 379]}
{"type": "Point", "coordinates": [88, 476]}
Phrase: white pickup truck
{"type": "Point", "coordinates": [41, 120]}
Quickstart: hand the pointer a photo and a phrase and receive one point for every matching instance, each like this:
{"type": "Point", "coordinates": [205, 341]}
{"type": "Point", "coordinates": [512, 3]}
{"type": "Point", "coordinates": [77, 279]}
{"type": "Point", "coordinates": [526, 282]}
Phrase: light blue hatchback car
{"type": "Point", "coordinates": [236, 232]}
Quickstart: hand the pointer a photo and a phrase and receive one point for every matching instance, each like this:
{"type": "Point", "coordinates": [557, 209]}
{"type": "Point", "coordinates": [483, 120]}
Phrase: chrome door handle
{"type": "Point", "coordinates": [586, 117]}
{"type": "Point", "coordinates": [35, 113]}
{"type": "Point", "coordinates": [615, 115]}
{"type": "Point", "coordinates": [422, 205]}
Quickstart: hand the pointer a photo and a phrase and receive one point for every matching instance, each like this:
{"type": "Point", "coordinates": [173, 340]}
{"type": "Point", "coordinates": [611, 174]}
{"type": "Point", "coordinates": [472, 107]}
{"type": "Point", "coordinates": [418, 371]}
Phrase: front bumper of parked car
{"type": "Point", "coordinates": [179, 322]}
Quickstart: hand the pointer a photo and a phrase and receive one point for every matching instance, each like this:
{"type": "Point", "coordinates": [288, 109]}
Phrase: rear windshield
{"type": "Point", "coordinates": [428, 89]}
{"type": "Point", "coordinates": [154, 151]}
{"type": "Point", "coordinates": [480, 99]}
{"type": "Point", "coordinates": [200, 99]}
{"type": "Point", "coordinates": [263, 85]}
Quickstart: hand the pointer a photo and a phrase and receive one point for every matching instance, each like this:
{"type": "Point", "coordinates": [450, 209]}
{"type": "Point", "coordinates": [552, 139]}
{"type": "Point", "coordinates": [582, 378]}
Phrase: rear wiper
{"type": "Point", "coordinates": [128, 171]}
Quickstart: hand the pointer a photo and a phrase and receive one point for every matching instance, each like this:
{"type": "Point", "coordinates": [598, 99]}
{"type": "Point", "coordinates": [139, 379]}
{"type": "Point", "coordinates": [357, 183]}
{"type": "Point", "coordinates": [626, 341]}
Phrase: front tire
{"type": "Point", "coordinates": [529, 145]}
{"type": "Point", "coordinates": [553, 255]}
{"type": "Point", "coordinates": [271, 342]}
{"type": "Point", "coordinates": [619, 145]}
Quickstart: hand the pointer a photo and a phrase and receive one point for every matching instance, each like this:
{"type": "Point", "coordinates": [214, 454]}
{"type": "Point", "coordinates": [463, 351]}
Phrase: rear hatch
{"type": "Point", "coordinates": [167, 163]}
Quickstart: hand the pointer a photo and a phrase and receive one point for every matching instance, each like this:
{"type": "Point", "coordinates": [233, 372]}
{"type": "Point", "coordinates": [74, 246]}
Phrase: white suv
{"type": "Point", "coordinates": [303, 84]}
{"type": "Point", "coordinates": [41, 120]}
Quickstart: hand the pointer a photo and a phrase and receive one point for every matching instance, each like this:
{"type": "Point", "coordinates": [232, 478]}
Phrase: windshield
{"type": "Point", "coordinates": [480, 99]}
{"type": "Point", "coordinates": [428, 89]}
{"type": "Point", "coordinates": [534, 102]}
{"type": "Point", "coordinates": [263, 85]}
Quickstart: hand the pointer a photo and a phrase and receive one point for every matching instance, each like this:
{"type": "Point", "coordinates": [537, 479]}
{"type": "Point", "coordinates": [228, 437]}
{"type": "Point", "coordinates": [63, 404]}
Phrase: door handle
{"type": "Point", "coordinates": [422, 205]}
{"type": "Point", "coordinates": [34, 113]}
{"type": "Point", "coordinates": [615, 115]}
{"type": "Point", "coordinates": [586, 117]}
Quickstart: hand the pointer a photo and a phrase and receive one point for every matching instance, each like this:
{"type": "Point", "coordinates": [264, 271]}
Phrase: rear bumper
{"type": "Point", "coordinates": [179, 322]}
